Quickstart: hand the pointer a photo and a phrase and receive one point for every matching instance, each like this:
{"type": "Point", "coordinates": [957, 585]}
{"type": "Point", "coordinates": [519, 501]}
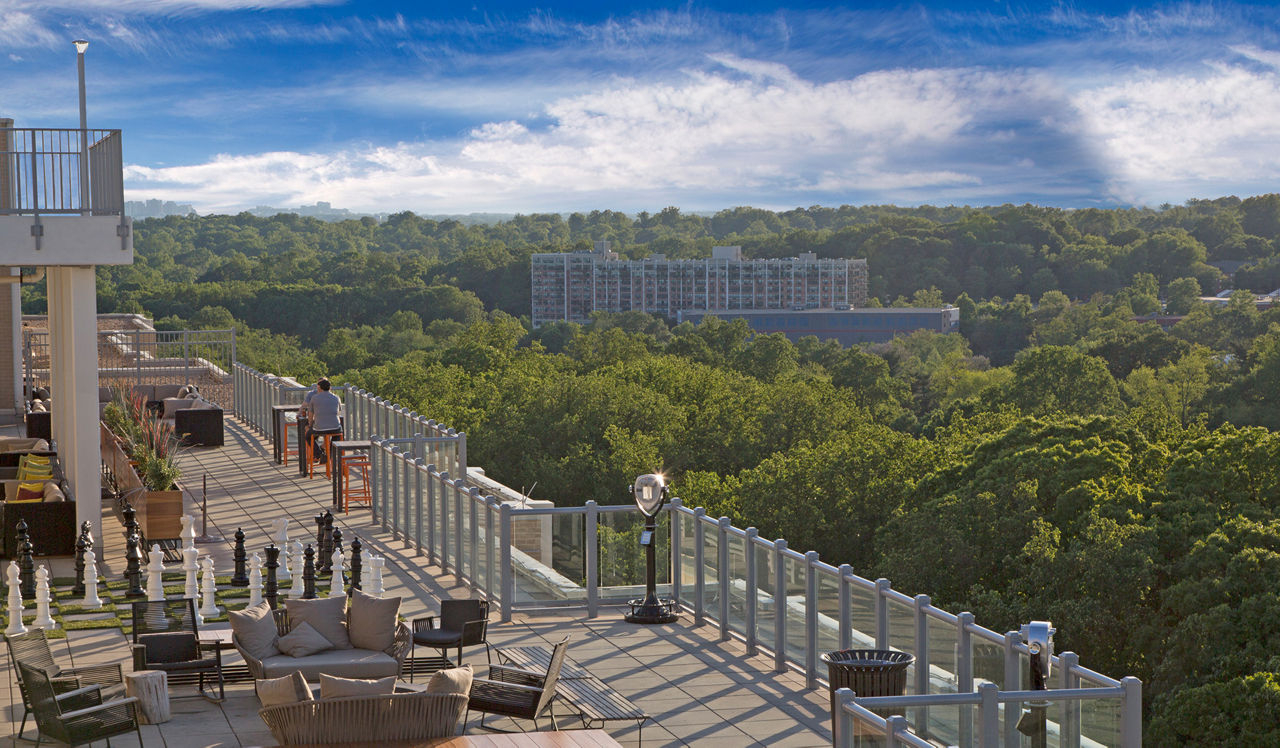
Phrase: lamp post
{"type": "Point", "coordinates": [650, 493]}
{"type": "Point", "coordinates": [81, 46]}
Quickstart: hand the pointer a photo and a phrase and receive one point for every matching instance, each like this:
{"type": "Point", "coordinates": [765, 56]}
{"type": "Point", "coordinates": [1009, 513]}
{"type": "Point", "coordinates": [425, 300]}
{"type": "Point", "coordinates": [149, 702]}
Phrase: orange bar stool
{"type": "Point", "coordinates": [289, 444]}
{"type": "Point", "coordinates": [328, 451]}
{"type": "Point", "coordinates": [356, 463]}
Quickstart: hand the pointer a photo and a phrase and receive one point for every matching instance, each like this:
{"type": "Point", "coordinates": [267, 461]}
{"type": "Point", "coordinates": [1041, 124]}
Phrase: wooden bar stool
{"type": "Point", "coordinates": [358, 463]}
{"type": "Point", "coordinates": [328, 443]}
{"type": "Point", "coordinates": [288, 447]}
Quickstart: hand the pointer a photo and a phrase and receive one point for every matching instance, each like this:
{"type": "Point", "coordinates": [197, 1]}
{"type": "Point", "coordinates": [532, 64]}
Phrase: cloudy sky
{"type": "Point", "coordinates": [380, 106]}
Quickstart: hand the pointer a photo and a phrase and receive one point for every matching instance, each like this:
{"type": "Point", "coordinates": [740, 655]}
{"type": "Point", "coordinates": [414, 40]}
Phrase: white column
{"type": "Point", "coordinates": [73, 328]}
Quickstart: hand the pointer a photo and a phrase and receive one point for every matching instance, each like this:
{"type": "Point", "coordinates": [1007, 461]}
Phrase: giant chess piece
{"type": "Point", "coordinates": [83, 543]}
{"type": "Point", "coordinates": [281, 537]}
{"type": "Point", "coordinates": [155, 576]}
{"type": "Point", "coordinates": [255, 579]}
{"type": "Point", "coordinates": [272, 585]}
{"type": "Point", "coordinates": [309, 573]}
{"type": "Point", "coordinates": [188, 533]}
{"type": "Point", "coordinates": [191, 565]}
{"type": "Point", "coordinates": [132, 553]}
{"type": "Point", "coordinates": [377, 564]}
{"type": "Point", "coordinates": [337, 543]}
{"type": "Point", "coordinates": [26, 562]}
{"type": "Point", "coordinates": [319, 518]}
{"type": "Point", "coordinates": [91, 599]}
{"type": "Point", "coordinates": [240, 576]}
{"type": "Point", "coordinates": [336, 586]}
{"type": "Point", "coordinates": [325, 551]}
{"type": "Point", "coordinates": [15, 600]}
{"type": "Point", "coordinates": [209, 586]}
{"type": "Point", "coordinates": [357, 564]}
{"type": "Point", "coordinates": [298, 589]}
{"type": "Point", "coordinates": [44, 596]}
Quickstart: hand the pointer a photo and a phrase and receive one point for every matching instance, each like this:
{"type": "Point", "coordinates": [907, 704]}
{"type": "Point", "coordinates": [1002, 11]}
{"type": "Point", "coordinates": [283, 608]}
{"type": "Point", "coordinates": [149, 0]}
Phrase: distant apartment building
{"type": "Point", "coordinates": [845, 326]}
{"type": "Point", "coordinates": [569, 286]}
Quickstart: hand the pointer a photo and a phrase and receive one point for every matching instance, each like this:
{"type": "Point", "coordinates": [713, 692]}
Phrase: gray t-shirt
{"type": "Point", "coordinates": [324, 411]}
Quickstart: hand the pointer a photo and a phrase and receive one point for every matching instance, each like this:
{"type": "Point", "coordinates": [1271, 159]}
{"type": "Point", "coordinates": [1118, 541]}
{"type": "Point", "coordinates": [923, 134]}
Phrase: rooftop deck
{"type": "Point", "coordinates": [699, 689]}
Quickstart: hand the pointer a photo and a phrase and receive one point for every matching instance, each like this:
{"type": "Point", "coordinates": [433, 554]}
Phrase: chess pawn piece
{"type": "Point", "coordinates": [377, 564]}
{"type": "Point", "coordinates": [44, 620]}
{"type": "Point", "coordinates": [297, 590]}
{"type": "Point", "coordinates": [209, 603]}
{"type": "Point", "coordinates": [91, 599]}
{"type": "Point", "coordinates": [255, 579]}
{"type": "Point", "coordinates": [190, 564]}
{"type": "Point", "coordinates": [188, 533]}
{"type": "Point", "coordinates": [337, 588]}
{"type": "Point", "coordinates": [15, 600]}
{"type": "Point", "coordinates": [155, 576]}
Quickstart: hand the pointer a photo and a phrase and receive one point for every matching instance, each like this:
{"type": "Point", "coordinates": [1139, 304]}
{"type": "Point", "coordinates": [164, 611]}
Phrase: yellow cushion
{"type": "Point", "coordinates": [29, 492]}
{"type": "Point", "coordinates": [35, 473]}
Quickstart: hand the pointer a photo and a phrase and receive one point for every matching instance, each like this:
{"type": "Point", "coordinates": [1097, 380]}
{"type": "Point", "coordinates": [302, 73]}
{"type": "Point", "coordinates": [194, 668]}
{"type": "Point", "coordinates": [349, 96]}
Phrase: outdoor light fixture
{"type": "Point", "coordinates": [650, 493]}
{"type": "Point", "coordinates": [81, 45]}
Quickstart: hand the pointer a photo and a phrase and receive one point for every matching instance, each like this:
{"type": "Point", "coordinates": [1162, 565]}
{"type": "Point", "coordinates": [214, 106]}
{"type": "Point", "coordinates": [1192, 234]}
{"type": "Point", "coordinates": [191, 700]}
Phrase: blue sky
{"type": "Point", "coordinates": [456, 108]}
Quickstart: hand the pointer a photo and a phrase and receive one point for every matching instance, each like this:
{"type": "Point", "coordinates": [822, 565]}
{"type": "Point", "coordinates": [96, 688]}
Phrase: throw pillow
{"type": "Point", "coordinates": [371, 622]}
{"type": "Point", "coordinates": [255, 629]}
{"type": "Point", "coordinates": [29, 492]}
{"type": "Point", "coordinates": [328, 615]}
{"type": "Point", "coordinates": [173, 404]}
{"type": "Point", "coordinates": [289, 689]}
{"type": "Point", "coordinates": [302, 641]}
{"type": "Point", "coordinates": [333, 687]}
{"type": "Point", "coordinates": [53, 493]}
{"type": "Point", "coordinates": [451, 680]}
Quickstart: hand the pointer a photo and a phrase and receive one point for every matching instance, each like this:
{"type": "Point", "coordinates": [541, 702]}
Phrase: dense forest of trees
{"type": "Point", "coordinates": [1058, 459]}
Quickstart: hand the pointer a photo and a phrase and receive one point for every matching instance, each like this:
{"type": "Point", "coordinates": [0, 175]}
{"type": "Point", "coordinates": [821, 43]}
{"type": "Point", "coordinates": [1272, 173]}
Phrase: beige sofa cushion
{"type": "Point", "coordinates": [352, 663]}
{"type": "Point", "coordinates": [22, 444]}
{"type": "Point", "coordinates": [289, 689]}
{"type": "Point", "coordinates": [163, 391]}
{"type": "Point", "coordinates": [371, 621]}
{"type": "Point", "coordinates": [327, 615]}
{"type": "Point", "coordinates": [255, 630]}
{"type": "Point", "coordinates": [451, 680]}
{"type": "Point", "coordinates": [333, 687]}
{"type": "Point", "coordinates": [303, 641]}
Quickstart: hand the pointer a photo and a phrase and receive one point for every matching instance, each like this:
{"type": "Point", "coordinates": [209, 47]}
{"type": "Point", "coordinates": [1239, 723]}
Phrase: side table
{"type": "Point", "coordinates": [151, 688]}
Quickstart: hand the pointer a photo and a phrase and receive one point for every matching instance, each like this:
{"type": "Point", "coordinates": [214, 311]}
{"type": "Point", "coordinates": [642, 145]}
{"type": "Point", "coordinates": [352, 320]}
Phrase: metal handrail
{"type": "Point", "coordinates": [42, 167]}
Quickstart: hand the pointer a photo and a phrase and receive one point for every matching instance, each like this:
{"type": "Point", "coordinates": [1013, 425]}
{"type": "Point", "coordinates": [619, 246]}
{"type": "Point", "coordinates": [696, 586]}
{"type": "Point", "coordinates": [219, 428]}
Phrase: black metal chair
{"type": "Point", "coordinates": [517, 692]}
{"type": "Point", "coordinates": [166, 637]}
{"type": "Point", "coordinates": [76, 717]}
{"type": "Point", "coordinates": [32, 648]}
{"type": "Point", "coordinates": [462, 623]}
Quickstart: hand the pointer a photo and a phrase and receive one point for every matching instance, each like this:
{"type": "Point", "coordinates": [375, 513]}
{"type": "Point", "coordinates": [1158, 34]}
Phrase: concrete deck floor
{"type": "Point", "coordinates": [698, 689]}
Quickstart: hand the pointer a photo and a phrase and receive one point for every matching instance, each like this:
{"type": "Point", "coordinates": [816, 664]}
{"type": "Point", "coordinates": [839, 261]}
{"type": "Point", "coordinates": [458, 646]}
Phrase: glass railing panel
{"type": "Point", "coordinates": [943, 656]}
{"type": "Point", "coordinates": [902, 634]}
{"type": "Point", "coordinates": [794, 577]}
{"type": "Point", "coordinates": [737, 583]}
{"type": "Point", "coordinates": [828, 614]}
{"type": "Point", "coordinates": [1100, 720]}
{"type": "Point", "coordinates": [463, 506]}
{"type": "Point", "coordinates": [548, 557]}
{"type": "Point", "coordinates": [988, 663]}
{"type": "Point", "coordinates": [482, 543]}
{"type": "Point", "coordinates": [862, 617]}
{"type": "Point", "coordinates": [688, 571]}
{"type": "Point", "coordinates": [766, 584]}
{"type": "Point", "coordinates": [711, 571]}
{"type": "Point", "coordinates": [623, 560]}
{"type": "Point", "coordinates": [949, 725]}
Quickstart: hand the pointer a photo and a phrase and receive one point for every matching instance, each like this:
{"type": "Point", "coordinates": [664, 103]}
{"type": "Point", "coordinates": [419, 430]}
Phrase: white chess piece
{"type": "Point", "coordinates": [155, 576]}
{"type": "Point", "coordinates": [43, 618]}
{"type": "Point", "coordinates": [190, 564]}
{"type": "Point", "coordinates": [91, 599]}
{"type": "Point", "coordinates": [209, 605]}
{"type": "Point", "coordinates": [255, 579]}
{"type": "Point", "coordinates": [281, 539]}
{"type": "Point", "coordinates": [376, 565]}
{"type": "Point", "coordinates": [337, 588]}
{"type": "Point", "coordinates": [15, 599]}
{"type": "Point", "coordinates": [188, 533]}
{"type": "Point", "coordinates": [299, 587]}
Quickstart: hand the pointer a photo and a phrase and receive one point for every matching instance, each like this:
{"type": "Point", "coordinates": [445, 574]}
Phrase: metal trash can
{"type": "Point", "coordinates": [867, 672]}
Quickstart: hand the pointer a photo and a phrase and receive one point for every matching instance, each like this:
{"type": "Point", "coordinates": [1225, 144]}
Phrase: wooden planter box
{"type": "Point", "coordinates": [159, 513]}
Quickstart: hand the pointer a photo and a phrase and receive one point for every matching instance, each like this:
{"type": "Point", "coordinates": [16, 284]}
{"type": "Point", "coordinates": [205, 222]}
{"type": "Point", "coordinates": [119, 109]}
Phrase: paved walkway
{"type": "Point", "coordinates": [700, 691]}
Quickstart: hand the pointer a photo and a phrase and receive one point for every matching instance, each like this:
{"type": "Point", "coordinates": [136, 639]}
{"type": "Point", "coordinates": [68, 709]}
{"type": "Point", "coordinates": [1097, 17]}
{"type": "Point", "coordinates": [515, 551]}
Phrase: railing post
{"type": "Point", "coordinates": [473, 499]}
{"type": "Point", "coordinates": [964, 674]}
{"type": "Point", "coordinates": [508, 574]}
{"type": "Point", "coordinates": [749, 617]}
{"type": "Point", "coordinates": [677, 569]}
{"type": "Point", "coordinates": [1131, 713]}
{"type": "Point", "coordinates": [394, 511]}
{"type": "Point", "coordinates": [811, 619]}
{"type": "Point", "coordinates": [895, 727]}
{"type": "Point", "coordinates": [375, 463]}
{"type": "Point", "coordinates": [989, 715]}
{"type": "Point", "coordinates": [592, 540]}
{"type": "Point", "coordinates": [1012, 682]}
{"type": "Point", "coordinates": [843, 728]}
{"type": "Point", "coordinates": [780, 605]}
{"type": "Point", "coordinates": [882, 613]}
{"type": "Point", "coordinates": [1070, 727]}
{"type": "Point", "coordinates": [846, 606]}
{"type": "Point", "coordinates": [445, 484]}
{"type": "Point", "coordinates": [459, 558]}
{"type": "Point", "coordinates": [700, 567]}
{"type": "Point", "coordinates": [432, 477]}
{"type": "Point", "coordinates": [922, 658]}
{"type": "Point", "coordinates": [722, 572]}
{"type": "Point", "coordinates": [418, 466]}
{"type": "Point", "coordinates": [493, 506]}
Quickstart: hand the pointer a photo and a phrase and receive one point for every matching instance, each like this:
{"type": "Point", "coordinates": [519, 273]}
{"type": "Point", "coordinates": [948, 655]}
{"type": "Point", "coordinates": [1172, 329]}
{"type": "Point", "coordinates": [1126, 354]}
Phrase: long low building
{"type": "Point", "coordinates": [846, 326]}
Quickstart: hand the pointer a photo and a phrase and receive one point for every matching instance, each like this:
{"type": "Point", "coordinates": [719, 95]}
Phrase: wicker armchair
{"type": "Point", "coordinates": [366, 719]}
{"type": "Point", "coordinates": [79, 716]}
{"type": "Point", "coordinates": [517, 692]}
{"type": "Point", "coordinates": [32, 648]}
{"type": "Point", "coordinates": [398, 650]}
{"type": "Point", "coordinates": [165, 637]}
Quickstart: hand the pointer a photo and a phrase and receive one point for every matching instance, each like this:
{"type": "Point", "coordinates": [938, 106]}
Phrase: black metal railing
{"type": "Point", "coordinates": [68, 170]}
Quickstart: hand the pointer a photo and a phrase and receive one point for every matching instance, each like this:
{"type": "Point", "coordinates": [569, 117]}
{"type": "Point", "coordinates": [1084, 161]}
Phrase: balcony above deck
{"type": "Point", "coordinates": [62, 198]}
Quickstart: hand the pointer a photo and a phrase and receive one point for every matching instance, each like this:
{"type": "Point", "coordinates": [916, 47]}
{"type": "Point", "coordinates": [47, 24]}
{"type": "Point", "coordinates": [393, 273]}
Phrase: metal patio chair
{"type": "Point", "coordinates": [32, 648]}
{"type": "Point", "coordinates": [80, 716]}
{"type": "Point", "coordinates": [165, 637]}
{"type": "Point", "coordinates": [516, 692]}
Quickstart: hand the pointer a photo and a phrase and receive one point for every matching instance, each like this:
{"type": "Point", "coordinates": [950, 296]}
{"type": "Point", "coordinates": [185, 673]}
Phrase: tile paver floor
{"type": "Point", "coordinates": [699, 690]}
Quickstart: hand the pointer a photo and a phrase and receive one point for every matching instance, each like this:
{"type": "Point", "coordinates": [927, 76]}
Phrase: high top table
{"type": "Point", "coordinates": [278, 415]}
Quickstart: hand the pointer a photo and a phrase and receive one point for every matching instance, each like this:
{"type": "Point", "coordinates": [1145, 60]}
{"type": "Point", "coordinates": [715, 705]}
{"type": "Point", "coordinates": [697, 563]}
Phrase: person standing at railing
{"type": "Point", "coordinates": [323, 409]}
